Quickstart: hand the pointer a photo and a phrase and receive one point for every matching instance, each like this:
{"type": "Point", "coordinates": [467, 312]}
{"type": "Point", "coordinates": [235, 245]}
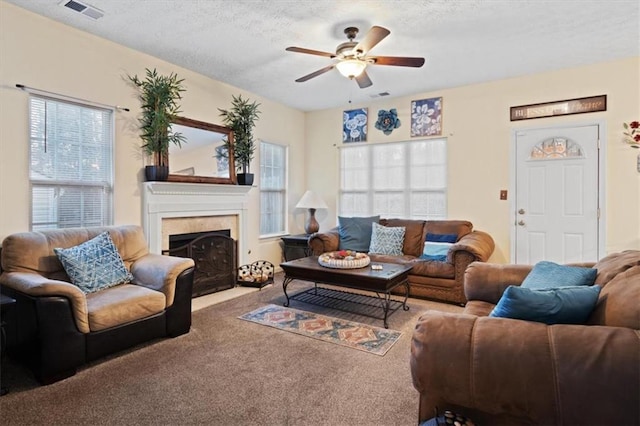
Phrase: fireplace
{"type": "Point", "coordinates": [176, 207]}
{"type": "Point", "coordinates": [214, 254]}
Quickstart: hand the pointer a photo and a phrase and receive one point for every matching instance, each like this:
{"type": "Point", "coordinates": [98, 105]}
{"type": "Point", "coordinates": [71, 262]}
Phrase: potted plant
{"type": "Point", "coordinates": [159, 96]}
{"type": "Point", "coordinates": [241, 119]}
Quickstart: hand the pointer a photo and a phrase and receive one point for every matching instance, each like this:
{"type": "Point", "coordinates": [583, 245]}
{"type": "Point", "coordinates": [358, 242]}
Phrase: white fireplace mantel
{"type": "Point", "coordinates": [173, 200]}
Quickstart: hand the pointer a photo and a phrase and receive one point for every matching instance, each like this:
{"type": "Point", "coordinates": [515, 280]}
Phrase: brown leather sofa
{"type": "Point", "coordinates": [55, 327]}
{"type": "Point", "coordinates": [500, 371]}
{"type": "Point", "coordinates": [428, 279]}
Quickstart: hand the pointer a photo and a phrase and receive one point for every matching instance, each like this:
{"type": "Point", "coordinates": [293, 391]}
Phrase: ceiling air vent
{"type": "Point", "coordinates": [377, 95]}
{"type": "Point", "coordinates": [83, 8]}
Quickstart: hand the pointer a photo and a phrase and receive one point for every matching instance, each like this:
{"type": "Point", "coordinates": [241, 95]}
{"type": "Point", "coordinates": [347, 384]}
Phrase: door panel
{"type": "Point", "coordinates": [557, 195]}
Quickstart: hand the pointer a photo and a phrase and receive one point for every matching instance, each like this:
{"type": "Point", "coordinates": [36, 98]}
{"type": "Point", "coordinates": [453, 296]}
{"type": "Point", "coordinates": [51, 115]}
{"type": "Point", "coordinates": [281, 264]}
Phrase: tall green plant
{"type": "Point", "coordinates": [241, 118]}
{"type": "Point", "coordinates": [159, 96]}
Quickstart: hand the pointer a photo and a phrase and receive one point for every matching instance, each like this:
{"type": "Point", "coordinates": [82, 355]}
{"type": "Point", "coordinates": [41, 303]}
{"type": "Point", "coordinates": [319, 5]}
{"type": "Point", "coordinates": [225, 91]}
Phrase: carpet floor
{"type": "Point", "coordinates": [227, 371]}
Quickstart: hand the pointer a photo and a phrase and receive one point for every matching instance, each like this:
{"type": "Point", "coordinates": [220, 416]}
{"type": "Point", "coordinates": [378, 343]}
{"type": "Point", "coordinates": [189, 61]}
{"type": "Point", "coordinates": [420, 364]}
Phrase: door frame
{"type": "Point", "coordinates": [602, 173]}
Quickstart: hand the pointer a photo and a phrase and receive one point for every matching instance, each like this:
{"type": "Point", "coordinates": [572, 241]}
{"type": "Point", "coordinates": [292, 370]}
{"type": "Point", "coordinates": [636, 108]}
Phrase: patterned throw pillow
{"type": "Point", "coordinates": [387, 240]}
{"type": "Point", "coordinates": [94, 265]}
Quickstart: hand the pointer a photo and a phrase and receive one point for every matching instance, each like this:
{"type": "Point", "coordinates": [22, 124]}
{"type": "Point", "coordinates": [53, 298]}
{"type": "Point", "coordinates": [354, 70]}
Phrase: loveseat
{"type": "Point", "coordinates": [56, 327]}
{"type": "Point", "coordinates": [511, 371]}
{"type": "Point", "coordinates": [433, 279]}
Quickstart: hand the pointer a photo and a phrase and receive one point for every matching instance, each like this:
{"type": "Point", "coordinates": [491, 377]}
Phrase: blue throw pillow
{"type": "Point", "coordinates": [94, 264]}
{"type": "Point", "coordinates": [442, 238]}
{"type": "Point", "coordinates": [436, 251]}
{"type": "Point", "coordinates": [562, 305]}
{"type": "Point", "coordinates": [387, 240]}
{"type": "Point", "coordinates": [550, 275]}
{"type": "Point", "coordinates": [355, 232]}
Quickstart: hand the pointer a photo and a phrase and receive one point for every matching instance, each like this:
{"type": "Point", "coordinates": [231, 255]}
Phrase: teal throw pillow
{"type": "Point", "coordinates": [550, 275]}
{"type": "Point", "coordinates": [355, 232]}
{"type": "Point", "coordinates": [387, 240]}
{"type": "Point", "coordinates": [94, 265]}
{"type": "Point", "coordinates": [436, 251]}
{"type": "Point", "coordinates": [562, 305]}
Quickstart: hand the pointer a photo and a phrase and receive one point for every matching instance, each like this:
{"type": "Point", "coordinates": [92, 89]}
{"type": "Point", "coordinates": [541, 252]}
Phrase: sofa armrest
{"type": "Point", "coordinates": [159, 272]}
{"type": "Point", "coordinates": [479, 244]}
{"type": "Point", "coordinates": [36, 285]}
{"type": "Point", "coordinates": [322, 242]}
{"type": "Point", "coordinates": [525, 372]}
{"type": "Point", "coordinates": [487, 281]}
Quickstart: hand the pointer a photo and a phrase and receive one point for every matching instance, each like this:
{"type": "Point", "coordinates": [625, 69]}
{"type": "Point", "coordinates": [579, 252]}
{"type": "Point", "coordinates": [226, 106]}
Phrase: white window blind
{"type": "Point", "coordinates": [71, 156]}
{"type": "Point", "coordinates": [399, 180]}
{"type": "Point", "coordinates": [273, 189]}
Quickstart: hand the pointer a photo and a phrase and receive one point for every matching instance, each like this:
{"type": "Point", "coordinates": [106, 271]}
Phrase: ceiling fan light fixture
{"type": "Point", "coordinates": [351, 68]}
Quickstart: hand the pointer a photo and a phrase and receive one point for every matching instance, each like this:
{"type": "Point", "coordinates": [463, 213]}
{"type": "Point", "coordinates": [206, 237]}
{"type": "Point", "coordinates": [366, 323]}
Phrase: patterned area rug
{"type": "Point", "coordinates": [363, 337]}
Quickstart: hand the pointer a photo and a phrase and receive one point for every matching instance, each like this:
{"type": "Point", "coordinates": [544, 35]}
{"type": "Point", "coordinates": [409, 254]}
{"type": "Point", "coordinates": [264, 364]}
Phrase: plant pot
{"type": "Point", "coordinates": [245, 178]}
{"type": "Point", "coordinates": [156, 173]}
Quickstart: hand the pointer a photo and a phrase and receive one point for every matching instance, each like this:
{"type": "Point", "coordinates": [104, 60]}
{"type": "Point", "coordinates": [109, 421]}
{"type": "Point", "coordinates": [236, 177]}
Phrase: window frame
{"type": "Point", "coordinates": [107, 211]}
{"type": "Point", "coordinates": [283, 191]}
{"type": "Point", "coordinates": [369, 192]}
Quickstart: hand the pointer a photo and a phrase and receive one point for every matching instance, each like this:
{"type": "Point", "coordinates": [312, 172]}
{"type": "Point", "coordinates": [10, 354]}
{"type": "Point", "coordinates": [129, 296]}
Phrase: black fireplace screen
{"type": "Point", "coordinates": [215, 257]}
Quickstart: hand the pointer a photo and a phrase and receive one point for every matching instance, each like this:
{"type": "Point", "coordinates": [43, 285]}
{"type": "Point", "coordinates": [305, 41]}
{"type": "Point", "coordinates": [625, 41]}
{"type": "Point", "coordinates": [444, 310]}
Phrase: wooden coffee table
{"type": "Point", "coordinates": [380, 282]}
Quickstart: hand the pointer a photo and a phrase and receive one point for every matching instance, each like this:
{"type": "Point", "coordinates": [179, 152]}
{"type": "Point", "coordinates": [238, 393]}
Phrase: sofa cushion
{"type": "Point", "coordinates": [94, 265]}
{"type": "Point", "coordinates": [387, 240]}
{"type": "Point", "coordinates": [414, 236]}
{"type": "Point", "coordinates": [355, 232]}
{"type": "Point", "coordinates": [122, 304]}
{"type": "Point", "coordinates": [434, 269]}
{"type": "Point", "coordinates": [562, 305]}
{"type": "Point", "coordinates": [618, 302]}
{"type": "Point", "coordinates": [547, 274]}
{"type": "Point", "coordinates": [458, 227]}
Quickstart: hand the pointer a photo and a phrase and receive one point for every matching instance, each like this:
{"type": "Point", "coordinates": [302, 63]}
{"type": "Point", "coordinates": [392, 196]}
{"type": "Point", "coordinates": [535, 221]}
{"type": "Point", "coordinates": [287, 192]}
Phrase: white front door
{"type": "Point", "coordinates": [557, 195]}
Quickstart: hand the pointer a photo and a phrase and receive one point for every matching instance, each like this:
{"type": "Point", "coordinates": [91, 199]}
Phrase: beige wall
{"type": "Point", "coordinates": [41, 53]}
{"type": "Point", "coordinates": [44, 54]}
{"type": "Point", "coordinates": [479, 133]}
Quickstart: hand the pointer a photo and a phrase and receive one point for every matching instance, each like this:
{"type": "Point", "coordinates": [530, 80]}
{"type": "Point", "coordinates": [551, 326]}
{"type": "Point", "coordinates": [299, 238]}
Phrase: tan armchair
{"type": "Point", "coordinates": [56, 327]}
{"type": "Point", "coordinates": [505, 371]}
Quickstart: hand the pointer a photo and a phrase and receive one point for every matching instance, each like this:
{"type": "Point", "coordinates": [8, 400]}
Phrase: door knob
{"type": "Point", "coordinates": [521, 223]}
{"type": "Point", "coordinates": [521, 211]}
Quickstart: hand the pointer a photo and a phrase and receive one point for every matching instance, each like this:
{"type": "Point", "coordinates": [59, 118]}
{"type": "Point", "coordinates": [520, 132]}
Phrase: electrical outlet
{"type": "Point", "coordinates": [503, 194]}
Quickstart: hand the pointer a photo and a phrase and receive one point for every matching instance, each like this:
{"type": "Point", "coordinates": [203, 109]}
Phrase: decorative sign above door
{"type": "Point", "coordinates": [566, 107]}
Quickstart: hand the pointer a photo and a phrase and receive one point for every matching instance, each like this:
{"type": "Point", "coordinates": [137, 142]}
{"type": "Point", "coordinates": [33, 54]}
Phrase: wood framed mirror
{"type": "Point", "coordinates": [201, 158]}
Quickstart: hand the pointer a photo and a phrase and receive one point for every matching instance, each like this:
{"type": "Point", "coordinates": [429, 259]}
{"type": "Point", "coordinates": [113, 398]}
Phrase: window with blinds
{"type": "Point", "coordinates": [395, 180]}
{"type": "Point", "coordinates": [273, 189]}
{"type": "Point", "coordinates": [70, 171]}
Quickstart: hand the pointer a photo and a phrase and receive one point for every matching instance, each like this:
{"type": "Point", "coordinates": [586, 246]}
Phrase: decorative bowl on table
{"type": "Point", "coordinates": [344, 259]}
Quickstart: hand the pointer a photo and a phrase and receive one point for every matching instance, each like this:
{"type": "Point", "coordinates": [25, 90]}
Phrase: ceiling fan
{"type": "Point", "coordinates": [352, 56]}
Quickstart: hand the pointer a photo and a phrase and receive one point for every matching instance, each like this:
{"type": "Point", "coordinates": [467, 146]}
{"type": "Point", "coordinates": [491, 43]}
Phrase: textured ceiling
{"type": "Point", "coordinates": [242, 42]}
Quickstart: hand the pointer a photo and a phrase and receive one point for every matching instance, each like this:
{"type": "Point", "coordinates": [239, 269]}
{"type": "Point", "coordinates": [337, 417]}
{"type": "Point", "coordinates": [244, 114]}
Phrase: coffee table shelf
{"type": "Point", "coordinates": [381, 282]}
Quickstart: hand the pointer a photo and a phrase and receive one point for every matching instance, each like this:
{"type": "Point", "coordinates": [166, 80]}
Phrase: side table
{"type": "Point", "coordinates": [296, 246]}
{"type": "Point", "coordinates": [6, 303]}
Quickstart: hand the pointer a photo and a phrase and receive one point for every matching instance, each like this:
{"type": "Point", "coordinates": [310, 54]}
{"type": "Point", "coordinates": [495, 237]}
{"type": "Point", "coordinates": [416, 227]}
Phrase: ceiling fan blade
{"type": "Point", "coordinates": [310, 51]}
{"type": "Point", "coordinates": [399, 61]}
{"type": "Point", "coordinates": [363, 80]}
{"type": "Point", "coordinates": [315, 74]}
{"type": "Point", "coordinates": [373, 37]}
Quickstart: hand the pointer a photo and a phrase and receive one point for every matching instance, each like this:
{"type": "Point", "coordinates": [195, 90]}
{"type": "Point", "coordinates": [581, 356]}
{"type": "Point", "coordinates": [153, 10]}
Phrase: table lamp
{"type": "Point", "coordinates": [310, 200]}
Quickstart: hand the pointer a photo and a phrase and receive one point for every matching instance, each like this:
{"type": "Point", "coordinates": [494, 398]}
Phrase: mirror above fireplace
{"type": "Point", "coordinates": [203, 157]}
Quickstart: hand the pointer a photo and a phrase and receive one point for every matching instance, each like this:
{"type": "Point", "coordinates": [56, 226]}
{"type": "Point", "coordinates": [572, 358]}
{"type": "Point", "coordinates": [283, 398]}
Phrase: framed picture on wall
{"type": "Point", "coordinates": [354, 125]}
{"type": "Point", "coordinates": [426, 117]}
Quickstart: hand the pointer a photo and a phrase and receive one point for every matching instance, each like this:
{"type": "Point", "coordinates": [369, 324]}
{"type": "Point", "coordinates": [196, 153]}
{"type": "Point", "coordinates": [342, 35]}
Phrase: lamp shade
{"type": "Point", "coordinates": [311, 200]}
{"type": "Point", "coordinates": [351, 68]}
